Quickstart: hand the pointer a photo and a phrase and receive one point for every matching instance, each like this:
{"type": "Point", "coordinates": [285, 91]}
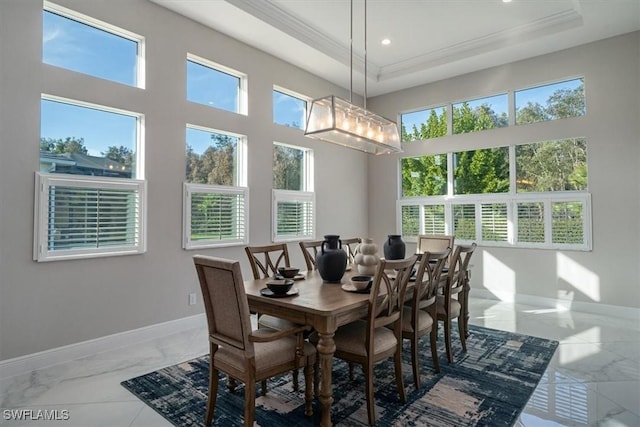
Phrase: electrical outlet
{"type": "Point", "coordinates": [192, 299]}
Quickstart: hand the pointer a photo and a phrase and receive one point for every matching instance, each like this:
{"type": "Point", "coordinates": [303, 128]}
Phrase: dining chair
{"type": "Point", "coordinates": [378, 336]}
{"type": "Point", "coordinates": [451, 304]}
{"type": "Point", "coordinates": [419, 316]}
{"type": "Point", "coordinates": [435, 243]}
{"type": "Point", "coordinates": [265, 261]}
{"type": "Point", "coordinates": [350, 245]}
{"type": "Point", "coordinates": [236, 349]}
{"type": "Point", "coordinates": [310, 249]}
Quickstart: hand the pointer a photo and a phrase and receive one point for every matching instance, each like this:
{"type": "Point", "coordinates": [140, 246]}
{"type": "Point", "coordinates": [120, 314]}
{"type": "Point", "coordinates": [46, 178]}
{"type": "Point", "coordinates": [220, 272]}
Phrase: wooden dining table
{"type": "Point", "coordinates": [325, 307]}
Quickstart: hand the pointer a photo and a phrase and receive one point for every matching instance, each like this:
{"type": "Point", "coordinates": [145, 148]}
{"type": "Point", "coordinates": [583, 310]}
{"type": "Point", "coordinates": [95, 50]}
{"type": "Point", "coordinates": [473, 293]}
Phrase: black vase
{"type": "Point", "coordinates": [394, 247]}
{"type": "Point", "coordinates": [331, 261]}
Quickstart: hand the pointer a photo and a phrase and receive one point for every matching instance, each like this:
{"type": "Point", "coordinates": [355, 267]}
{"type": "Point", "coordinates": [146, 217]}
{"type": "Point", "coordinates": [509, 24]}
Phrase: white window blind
{"type": "Point", "coordinates": [293, 215]}
{"type": "Point", "coordinates": [464, 221]}
{"type": "Point", "coordinates": [531, 220]}
{"type": "Point", "coordinates": [80, 217]}
{"type": "Point", "coordinates": [215, 215]}
{"type": "Point", "coordinates": [410, 220]}
{"type": "Point", "coordinates": [494, 222]}
{"type": "Point", "coordinates": [434, 220]}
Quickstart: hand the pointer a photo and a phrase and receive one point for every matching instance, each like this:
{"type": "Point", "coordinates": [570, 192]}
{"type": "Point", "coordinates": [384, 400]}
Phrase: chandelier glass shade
{"type": "Point", "coordinates": [333, 119]}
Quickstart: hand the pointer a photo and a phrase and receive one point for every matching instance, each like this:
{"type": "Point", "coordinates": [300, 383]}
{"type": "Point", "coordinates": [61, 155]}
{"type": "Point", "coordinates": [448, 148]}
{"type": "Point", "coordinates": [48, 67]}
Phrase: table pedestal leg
{"type": "Point", "coordinates": [326, 347]}
{"type": "Point", "coordinates": [465, 304]}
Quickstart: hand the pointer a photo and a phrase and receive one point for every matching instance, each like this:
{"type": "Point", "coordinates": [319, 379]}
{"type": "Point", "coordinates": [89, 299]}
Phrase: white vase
{"type": "Point", "coordinates": [366, 259]}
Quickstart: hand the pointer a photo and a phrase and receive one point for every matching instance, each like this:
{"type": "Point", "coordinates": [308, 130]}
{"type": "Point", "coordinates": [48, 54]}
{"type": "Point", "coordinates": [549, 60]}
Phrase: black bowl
{"type": "Point", "coordinates": [361, 282]}
{"type": "Point", "coordinates": [288, 272]}
{"type": "Point", "coordinates": [280, 287]}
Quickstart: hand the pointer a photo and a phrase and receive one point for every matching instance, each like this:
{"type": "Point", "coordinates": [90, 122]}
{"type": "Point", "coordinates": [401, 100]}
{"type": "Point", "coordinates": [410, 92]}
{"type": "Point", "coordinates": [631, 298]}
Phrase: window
{"type": "Point", "coordinates": [83, 44]}
{"type": "Point", "coordinates": [424, 175]}
{"type": "Point", "coordinates": [480, 114]}
{"type": "Point", "coordinates": [216, 198]}
{"type": "Point", "coordinates": [552, 166]}
{"type": "Point", "coordinates": [215, 85]}
{"type": "Point", "coordinates": [481, 171]}
{"type": "Point", "coordinates": [423, 124]}
{"type": "Point", "coordinates": [550, 102]}
{"type": "Point", "coordinates": [293, 206]}
{"type": "Point", "coordinates": [544, 204]}
{"type": "Point", "coordinates": [289, 110]}
{"type": "Point", "coordinates": [88, 200]}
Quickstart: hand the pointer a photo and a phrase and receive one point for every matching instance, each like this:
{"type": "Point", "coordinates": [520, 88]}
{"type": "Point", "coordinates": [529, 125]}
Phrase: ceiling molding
{"type": "Point", "coordinates": [542, 27]}
{"type": "Point", "coordinates": [292, 25]}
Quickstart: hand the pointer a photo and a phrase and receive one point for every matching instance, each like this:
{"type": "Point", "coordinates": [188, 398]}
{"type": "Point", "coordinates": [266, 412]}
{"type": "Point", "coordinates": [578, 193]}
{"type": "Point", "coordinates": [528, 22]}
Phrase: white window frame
{"type": "Point", "coordinates": [240, 172]}
{"type": "Point", "coordinates": [511, 200]}
{"type": "Point", "coordinates": [243, 98]}
{"type": "Point", "coordinates": [242, 223]}
{"type": "Point", "coordinates": [109, 28]}
{"type": "Point", "coordinates": [292, 196]}
{"type": "Point", "coordinates": [307, 100]}
{"type": "Point", "coordinates": [41, 215]}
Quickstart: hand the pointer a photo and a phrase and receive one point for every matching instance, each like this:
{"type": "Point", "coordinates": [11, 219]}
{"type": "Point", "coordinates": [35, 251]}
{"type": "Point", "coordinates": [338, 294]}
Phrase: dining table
{"type": "Point", "coordinates": [324, 306]}
{"type": "Point", "coordinates": [321, 305]}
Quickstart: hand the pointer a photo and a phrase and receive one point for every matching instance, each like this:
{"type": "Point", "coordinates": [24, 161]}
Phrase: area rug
{"type": "Point", "coordinates": [489, 385]}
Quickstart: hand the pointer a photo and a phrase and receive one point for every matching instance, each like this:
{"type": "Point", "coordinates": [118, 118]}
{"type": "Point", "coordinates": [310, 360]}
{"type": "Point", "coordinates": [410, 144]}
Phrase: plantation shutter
{"type": "Point", "coordinates": [494, 222]}
{"type": "Point", "coordinates": [531, 222]}
{"type": "Point", "coordinates": [464, 221]}
{"type": "Point", "coordinates": [294, 215]}
{"type": "Point", "coordinates": [434, 220]}
{"type": "Point", "coordinates": [88, 216]}
{"type": "Point", "coordinates": [567, 222]}
{"type": "Point", "coordinates": [410, 220]}
{"type": "Point", "coordinates": [215, 215]}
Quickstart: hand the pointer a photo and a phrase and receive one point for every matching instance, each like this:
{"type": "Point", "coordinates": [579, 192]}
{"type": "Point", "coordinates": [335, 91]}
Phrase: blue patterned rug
{"type": "Point", "coordinates": [487, 386]}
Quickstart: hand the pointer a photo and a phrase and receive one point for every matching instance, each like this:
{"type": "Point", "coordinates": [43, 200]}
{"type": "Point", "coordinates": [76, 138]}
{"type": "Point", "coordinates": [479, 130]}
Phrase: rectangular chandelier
{"type": "Point", "coordinates": [333, 119]}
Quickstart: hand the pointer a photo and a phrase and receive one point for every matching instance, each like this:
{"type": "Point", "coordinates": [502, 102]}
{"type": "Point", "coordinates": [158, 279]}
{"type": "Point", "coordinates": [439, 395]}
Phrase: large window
{"type": "Point", "coordinates": [480, 114]}
{"type": "Point", "coordinates": [423, 124]}
{"type": "Point", "coordinates": [216, 199]}
{"type": "Point", "coordinates": [288, 109]}
{"type": "Point", "coordinates": [83, 44]}
{"type": "Point", "coordinates": [293, 197]}
{"type": "Point", "coordinates": [215, 85]}
{"type": "Point", "coordinates": [550, 102]}
{"type": "Point", "coordinates": [544, 204]}
{"type": "Point", "coordinates": [88, 202]}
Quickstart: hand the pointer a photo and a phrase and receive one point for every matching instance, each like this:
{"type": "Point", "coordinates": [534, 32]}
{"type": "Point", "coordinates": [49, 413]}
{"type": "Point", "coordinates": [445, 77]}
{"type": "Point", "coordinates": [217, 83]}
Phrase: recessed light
{"type": "Point", "coordinates": [386, 42]}
{"type": "Point", "coordinates": [506, 1]}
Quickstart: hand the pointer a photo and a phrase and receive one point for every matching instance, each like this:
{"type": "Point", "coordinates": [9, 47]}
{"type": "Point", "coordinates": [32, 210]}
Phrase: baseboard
{"type": "Point", "coordinates": [566, 305]}
{"type": "Point", "coordinates": [30, 362]}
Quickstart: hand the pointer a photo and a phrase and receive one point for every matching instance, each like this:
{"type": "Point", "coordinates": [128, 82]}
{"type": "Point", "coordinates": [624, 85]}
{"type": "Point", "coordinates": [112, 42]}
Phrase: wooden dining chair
{"type": "Point", "coordinates": [265, 261]}
{"type": "Point", "coordinates": [310, 249]}
{"type": "Point", "coordinates": [236, 349]}
{"type": "Point", "coordinates": [419, 317]}
{"type": "Point", "coordinates": [350, 245]}
{"type": "Point", "coordinates": [452, 303]}
{"type": "Point", "coordinates": [434, 242]}
{"type": "Point", "coordinates": [378, 336]}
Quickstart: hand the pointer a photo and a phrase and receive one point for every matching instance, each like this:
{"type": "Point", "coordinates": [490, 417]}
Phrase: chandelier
{"type": "Point", "coordinates": [336, 120]}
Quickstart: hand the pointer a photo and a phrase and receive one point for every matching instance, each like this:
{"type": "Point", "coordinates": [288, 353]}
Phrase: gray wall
{"type": "Point", "coordinates": [47, 305]}
{"type": "Point", "coordinates": [609, 273]}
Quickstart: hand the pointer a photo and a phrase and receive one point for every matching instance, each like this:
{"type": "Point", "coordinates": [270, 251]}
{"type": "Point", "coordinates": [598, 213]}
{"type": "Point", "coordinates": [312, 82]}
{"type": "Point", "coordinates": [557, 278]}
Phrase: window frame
{"type": "Point", "coordinates": [241, 239]}
{"type": "Point", "coordinates": [511, 201]}
{"type": "Point", "coordinates": [240, 177]}
{"type": "Point", "coordinates": [306, 194]}
{"type": "Point", "coordinates": [295, 95]}
{"type": "Point", "coordinates": [140, 76]}
{"type": "Point", "coordinates": [44, 181]}
{"type": "Point", "coordinates": [243, 101]}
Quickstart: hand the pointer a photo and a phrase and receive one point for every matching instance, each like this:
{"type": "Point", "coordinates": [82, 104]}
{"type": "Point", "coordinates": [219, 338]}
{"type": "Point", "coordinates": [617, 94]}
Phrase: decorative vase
{"type": "Point", "coordinates": [394, 247]}
{"type": "Point", "coordinates": [366, 259]}
{"type": "Point", "coordinates": [331, 261]}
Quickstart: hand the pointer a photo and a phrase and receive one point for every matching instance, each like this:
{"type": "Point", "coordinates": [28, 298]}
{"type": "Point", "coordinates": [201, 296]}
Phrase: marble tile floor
{"type": "Point", "coordinates": [593, 379]}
